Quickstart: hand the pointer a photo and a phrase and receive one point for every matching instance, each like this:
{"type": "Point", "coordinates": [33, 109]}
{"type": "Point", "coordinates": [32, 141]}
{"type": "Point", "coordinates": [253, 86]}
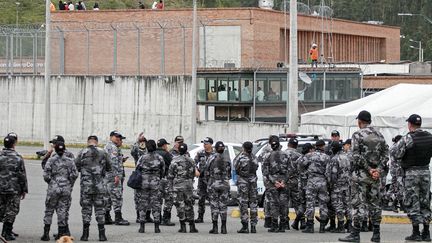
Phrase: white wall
{"type": "Point", "coordinates": [87, 105]}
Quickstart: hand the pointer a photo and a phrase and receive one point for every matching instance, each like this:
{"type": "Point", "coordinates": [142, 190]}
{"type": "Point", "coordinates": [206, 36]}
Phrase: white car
{"type": "Point", "coordinates": [231, 151]}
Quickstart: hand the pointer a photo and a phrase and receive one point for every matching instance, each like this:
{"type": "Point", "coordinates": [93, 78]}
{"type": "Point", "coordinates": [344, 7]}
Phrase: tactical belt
{"type": "Point", "coordinates": [417, 168]}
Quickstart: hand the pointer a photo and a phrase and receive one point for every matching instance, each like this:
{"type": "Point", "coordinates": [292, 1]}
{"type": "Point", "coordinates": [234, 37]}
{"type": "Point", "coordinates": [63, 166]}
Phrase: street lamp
{"type": "Point", "coordinates": [417, 48]}
{"type": "Point", "coordinates": [411, 14]}
{"type": "Point", "coordinates": [17, 5]}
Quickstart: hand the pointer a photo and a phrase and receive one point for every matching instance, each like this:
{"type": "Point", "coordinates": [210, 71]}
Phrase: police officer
{"type": "Point", "coordinates": [152, 167]}
{"type": "Point", "coordinates": [60, 173]}
{"type": "Point", "coordinates": [93, 163]}
{"type": "Point", "coordinates": [397, 173]}
{"type": "Point", "coordinates": [293, 180]}
{"type": "Point", "coordinates": [275, 171]}
{"type": "Point", "coordinates": [316, 165]}
{"type": "Point", "coordinates": [177, 141]}
{"type": "Point", "coordinates": [181, 174]}
{"type": "Point", "coordinates": [261, 158]}
{"type": "Point", "coordinates": [218, 174]}
{"type": "Point", "coordinates": [139, 149]}
{"type": "Point", "coordinates": [306, 149]}
{"type": "Point", "coordinates": [13, 185]}
{"type": "Point", "coordinates": [201, 160]}
{"type": "Point", "coordinates": [114, 179]}
{"type": "Point", "coordinates": [415, 152]}
{"type": "Point", "coordinates": [246, 166]}
{"type": "Point", "coordinates": [51, 151]}
{"type": "Point", "coordinates": [162, 150]}
{"type": "Point", "coordinates": [370, 153]}
{"type": "Point", "coordinates": [334, 137]}
{"type": "Point", "coordinates": [340, 176]}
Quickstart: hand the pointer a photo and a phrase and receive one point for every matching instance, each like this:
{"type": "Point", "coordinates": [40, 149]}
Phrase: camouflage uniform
{"type": "Point", "coordinates": [276, 169]}
{"type": "Point", "coordinates": [137, 152]}
{"type": "Point", "coordinates": [164, 185]}
{"type": "Point", "coordinates": [181, 174]}
{"type": "Point", "coordinates": [370, 151]}
{"type": "Point", "coordinates": [60, 173]}
{"type": "Point", "coordinates": [246, 166]}
{"type": "Point", "coordinates": [46, 157]}
{"type": "Point", "coordinates": [93, 163]}
{"type": "Point", "coordinates": [217, 174]}
{"type": "Point", "coordinates": [340, 175]}
{"type": "Point", "coordinates": [115, 192]}
{"type": "Point", "coordinates": [13, 183]}
{"type": "Point", "coordinates": [152, 167]}
{"type": "Point", "coordinates": [316, 166]}
{"type": "Point", "coordinates": [201, 160]}
{"type": "Point", "coordinates": [293, 180]}
{"type": "Point", "coordinates": [302, 182]}
{"type": "Point", "coordinates": [397, 173]}
{"type": "Point", "coordinates": [263, 156]}
{"type": "Point", "coordinates": [417, 174]}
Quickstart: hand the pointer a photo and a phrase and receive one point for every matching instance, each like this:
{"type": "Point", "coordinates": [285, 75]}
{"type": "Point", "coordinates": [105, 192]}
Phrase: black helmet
{"type": "Point", "coordinates": [151, 146]}
{"type": "Point", "coordinates": [182, 148]}
{"type": "Point", "coordinates": [220, 147]}
{"type": "Point", "coordinates": [59, 147]}
{"type": "Point", "coordinates": [307, 147]}
{"type": "Point", "coordinates": [248, 146]}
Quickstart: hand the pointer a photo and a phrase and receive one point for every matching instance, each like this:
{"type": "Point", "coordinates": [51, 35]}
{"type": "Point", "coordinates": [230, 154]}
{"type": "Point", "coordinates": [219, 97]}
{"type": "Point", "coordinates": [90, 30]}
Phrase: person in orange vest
{"type": "Point", "coordinates": [313, 53]}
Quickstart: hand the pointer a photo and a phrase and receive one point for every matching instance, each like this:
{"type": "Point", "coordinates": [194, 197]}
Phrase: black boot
{"type": "Point", "coordinates": [323, 224]}
{"type": "Point", "coordinates": [332, 226]}
{"type": "Point", "coordinates": [166, 219]}
{"type": "Point", "coordinates": [364, 226]}
{"type": "Point", "coordinates": [223, 227]}
{"type": "Point", "coordinates": [267, 222]}
{"type": "Point", "coordinates": [253, 229]}
{"type": "Point", "coordinates": [302, 223]}
{"type": "Point", "coordinates": [295, 224]}
{"type": "Point", "coordinates": [45, 236]}
{"type": "Point", "coordinates": [309, 227]}
{"type": "Point", "coordinates": [192, 228]}
{"type": "Point", "coordinates": [138, 217]}
{"type": "Point", "coordinates": [7, 232]}
{"type": "Point", "coordinates": [370, 225]}
{"type": "Point", "coordinates": [244, 229]}
{"type": "Point", "coordinates": [415, 236]}
{"type": "Point", "coordinates": [426, 233]}
{"type": "Point", "coordinates": [274, 226]}
{"type": "Point", "coordinates": [142, 227]}
{"type": "Point", "coordinates": [348, 226]}
{"type": "Point", "coordinates": [340, 227]}
{"type": "Point", "coordinates": [157, 230]}
{"type": "Point", "coordinates": [119, 219]}
{"type": "Point", "coordinates": [376, 234]}
{"type": "Point", "coordinates": [182, 227]}
{"type": "Point", "coordinates": [67, 231]}
{"type": "Point", "coordinates": [108, 219]}
{"type": "Point", "coordinates": [282, 225]}
{"type": "Point", "coordinates": [148, 218]}
{"type": "Point", "coordinates": [85, 233]}
{"type": "Point", "coordinates": [215, 227]}
{"type": "Point", "coordinates": [287, 225]}
{"type": "Point", "coordinates": [200, 218]}
{"type": "Point", "coordinates": [61, 232]}
{"type": "Point", "coordinates": [102, 236]}
{"type": "Point", "coordinates": [354, 236]}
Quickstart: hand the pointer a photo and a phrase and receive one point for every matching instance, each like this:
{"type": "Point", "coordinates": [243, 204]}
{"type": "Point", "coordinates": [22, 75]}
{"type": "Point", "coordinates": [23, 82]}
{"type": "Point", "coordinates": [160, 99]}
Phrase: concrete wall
{"type": "Point", "coordinates": [87, 105]}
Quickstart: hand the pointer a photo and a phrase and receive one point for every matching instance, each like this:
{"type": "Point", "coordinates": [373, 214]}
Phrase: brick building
{"type": "Point", "coordinates": [146, 42]}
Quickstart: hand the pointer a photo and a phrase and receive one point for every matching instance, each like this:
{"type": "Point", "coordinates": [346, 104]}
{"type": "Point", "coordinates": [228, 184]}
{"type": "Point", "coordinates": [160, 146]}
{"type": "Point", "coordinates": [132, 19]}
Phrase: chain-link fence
{"type": "Point", "coordinates": [159, 47]}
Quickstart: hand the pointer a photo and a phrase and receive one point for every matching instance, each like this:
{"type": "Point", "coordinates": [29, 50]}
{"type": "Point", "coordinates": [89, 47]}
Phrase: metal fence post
{"type": "Point", "coordinates": [12, 69]}
{"type": "Point", "coordinates": [114, 51]}
{"type": "Point", "coordinates": [138, 49]}
{"type": "Point", "coordinates": [61, 46]}
{"type": "Point", "coordinates": [184, 48]}
{"type": "Point", "coordinates": [162, 47]}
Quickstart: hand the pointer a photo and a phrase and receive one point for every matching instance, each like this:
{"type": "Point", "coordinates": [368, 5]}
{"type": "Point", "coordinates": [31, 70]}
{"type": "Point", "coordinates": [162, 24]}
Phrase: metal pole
{"type": "Point", "coordinates": [324, 90]}
{"type": "Point", "coordinates": [420, 51]}
{"type": "Point", "coordinates": [12, 54]}
{"type": "Point", "coordinates": [253, 96]}
{"type": "Point", "coordinates": [322, 32]}
{"type": "Point", "coordinates": [285, 35]}
{"type": "Point", "coordinates": [115, 51]}
{"type": "Point", "coordinates": [184, 50]}
{"type": "Point", "coordinates": [47, 126]}
{"type": "Point", "coordinates": [205, 46]}
{"type": "Point", "coordinates": [61, 46]}
{"type": "Point", "coordinates": [162, 50]}
{"type": "Point", "coordinates": [194, 74]}
{"type": "Point", "coordinates": [293, 80]}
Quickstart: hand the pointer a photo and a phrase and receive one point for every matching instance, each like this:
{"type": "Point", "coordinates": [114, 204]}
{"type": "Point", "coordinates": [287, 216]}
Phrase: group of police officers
{"type": "Point", "coordinates": [345, 179]}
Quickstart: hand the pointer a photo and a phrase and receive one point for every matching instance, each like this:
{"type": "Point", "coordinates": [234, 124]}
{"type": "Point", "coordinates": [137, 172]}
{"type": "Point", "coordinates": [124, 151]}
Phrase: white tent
{"type": "Point", "coordinates": [389, 108]}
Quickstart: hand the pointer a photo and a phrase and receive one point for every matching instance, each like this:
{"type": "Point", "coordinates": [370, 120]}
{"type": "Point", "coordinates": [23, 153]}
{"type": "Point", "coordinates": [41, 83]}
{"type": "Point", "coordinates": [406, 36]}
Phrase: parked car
{"type": "Point", "coordinates": [231, 151]}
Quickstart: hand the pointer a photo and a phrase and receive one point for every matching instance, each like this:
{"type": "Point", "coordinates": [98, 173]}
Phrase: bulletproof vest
{"type": "Point", "coordinates": [186, 169]}
{"type": "Point", "coordinates": [250, 169]}
{"type": "Point", "coordinates": [421, 151]}
{"type": "Point", "coordinates": [275, 163]}
{"type": "Point", "coordinates": [91, 160]}
{"type": "Point", "coordinates": [219, 171]}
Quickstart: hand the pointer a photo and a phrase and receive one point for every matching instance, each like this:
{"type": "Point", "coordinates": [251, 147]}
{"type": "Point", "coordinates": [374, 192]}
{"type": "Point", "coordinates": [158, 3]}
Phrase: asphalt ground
{"type": "Point", "coordinates": [29, 223]}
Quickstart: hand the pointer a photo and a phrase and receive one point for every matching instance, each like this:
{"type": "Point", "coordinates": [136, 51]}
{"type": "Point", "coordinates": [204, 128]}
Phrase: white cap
{"type": "Point", "coordinates": [314, 45]}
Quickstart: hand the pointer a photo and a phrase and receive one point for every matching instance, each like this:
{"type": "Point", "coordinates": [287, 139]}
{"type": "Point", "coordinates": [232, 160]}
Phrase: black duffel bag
{"type": "Point", "coordinates": [135, 180]}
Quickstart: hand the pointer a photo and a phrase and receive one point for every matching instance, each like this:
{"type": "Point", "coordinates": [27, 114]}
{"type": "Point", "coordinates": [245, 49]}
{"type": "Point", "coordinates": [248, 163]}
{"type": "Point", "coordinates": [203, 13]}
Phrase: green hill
{"type": "Point", "coordinates": [417, 28]}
